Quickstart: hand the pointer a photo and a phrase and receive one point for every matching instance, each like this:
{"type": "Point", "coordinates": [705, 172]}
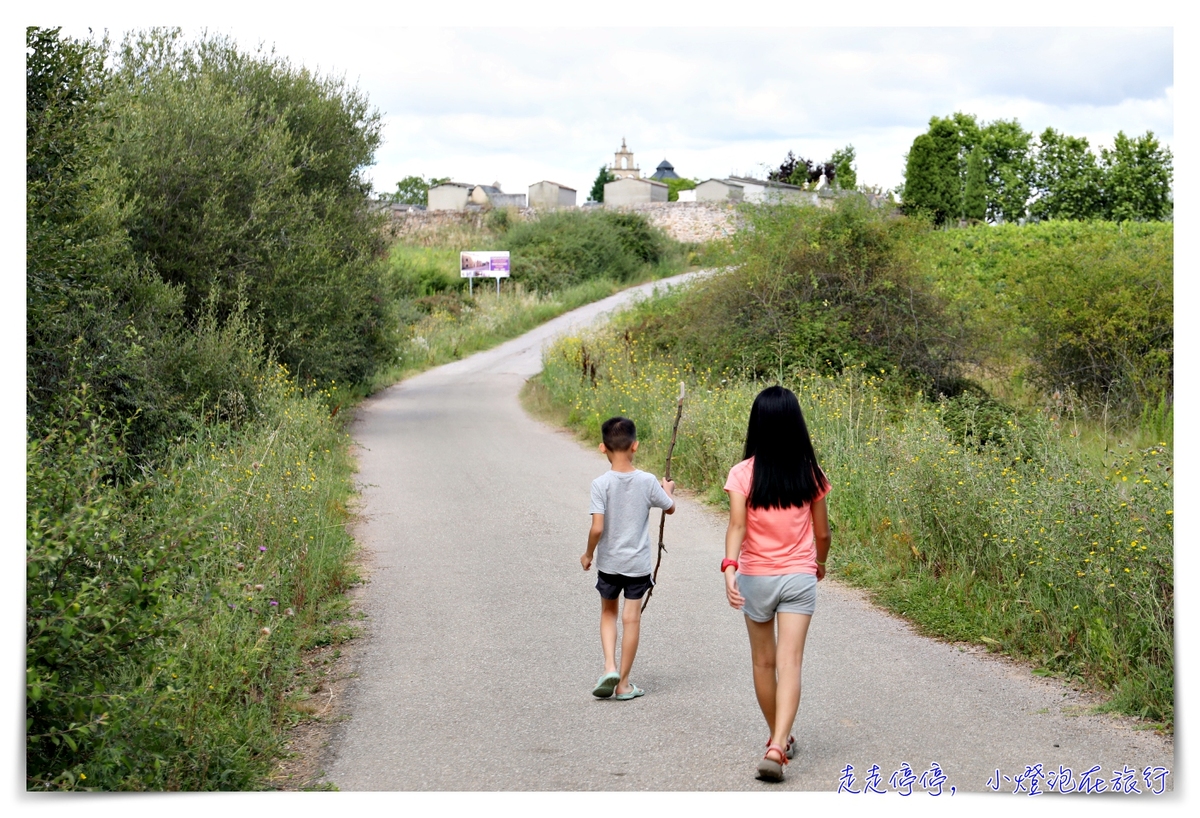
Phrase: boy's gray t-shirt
{"type": "Point", "coordinates": [625, 499]}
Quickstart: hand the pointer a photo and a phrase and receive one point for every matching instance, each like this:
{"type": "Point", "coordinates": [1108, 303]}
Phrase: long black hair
{"type": "Point", "coordinates": [786, 473]}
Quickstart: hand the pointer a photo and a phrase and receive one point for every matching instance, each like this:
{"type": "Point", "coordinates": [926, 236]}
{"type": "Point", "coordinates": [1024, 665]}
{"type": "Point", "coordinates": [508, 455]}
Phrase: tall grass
{"type": "Point", "coordinates": [252, 525]}
{"type": "Point", "coordinates": [994, 529]}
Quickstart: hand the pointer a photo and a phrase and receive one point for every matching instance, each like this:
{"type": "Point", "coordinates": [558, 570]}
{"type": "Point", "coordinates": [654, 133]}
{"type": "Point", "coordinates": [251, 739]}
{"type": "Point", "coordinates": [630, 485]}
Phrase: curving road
{"type": "Point", "coordinates": [482, 634]}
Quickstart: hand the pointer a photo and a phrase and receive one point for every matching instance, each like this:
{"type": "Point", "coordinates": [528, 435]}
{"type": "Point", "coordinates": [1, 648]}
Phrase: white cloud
{"type": "Point", "coordinates": [522, 104]}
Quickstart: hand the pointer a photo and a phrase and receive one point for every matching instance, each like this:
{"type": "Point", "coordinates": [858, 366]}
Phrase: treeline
{"type": "Point", "coordinates": [964, 169]}
{"type": "Point", "coordinates": [204, 276]}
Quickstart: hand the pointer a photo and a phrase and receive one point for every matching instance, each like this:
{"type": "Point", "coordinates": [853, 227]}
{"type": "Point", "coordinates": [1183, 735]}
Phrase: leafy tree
{"type": "Point", "coordinates": [676, 185]}
{"type": "Point", "coordinates": [792, 167]}
{"type": "Point", "coordinates": [975, 193]}
{"type": "Point", "coordinates": [1009, 167]}
{"type": "Point", "coordinates": [602, 178]}
{"type": "Point", "coordinates": [931, 176]}
{"type": "Point", "coordinates": [1066, 179]}
{"type": "Point", "coordinates": [1137, 178]}
{"type": "Point", "coordinates": [414, 190]}
{"type": "Point", "coordinates": [243, 173]}
{"type": "Point", "coordinates": [843, 168]}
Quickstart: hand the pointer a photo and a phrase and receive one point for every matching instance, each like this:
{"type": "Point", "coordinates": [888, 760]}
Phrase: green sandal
{"type": "Point", "coordinates": [632, 694]}
{"type": "Point", "coordinates": [607, 684]}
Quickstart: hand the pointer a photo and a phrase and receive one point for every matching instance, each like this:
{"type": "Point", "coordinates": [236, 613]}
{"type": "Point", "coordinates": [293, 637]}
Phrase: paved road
{"type": "Point", "coordinates": [482, 634]}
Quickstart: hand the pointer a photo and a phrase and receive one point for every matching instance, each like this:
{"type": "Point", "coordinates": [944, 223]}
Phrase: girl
{"type": "Point", "coordinates": [775, 552]}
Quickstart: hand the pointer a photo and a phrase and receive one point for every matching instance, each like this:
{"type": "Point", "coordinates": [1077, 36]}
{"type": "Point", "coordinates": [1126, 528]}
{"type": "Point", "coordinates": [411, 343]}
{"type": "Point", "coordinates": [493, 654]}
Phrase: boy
{"type": "Point", "coordinates": [620, 538]}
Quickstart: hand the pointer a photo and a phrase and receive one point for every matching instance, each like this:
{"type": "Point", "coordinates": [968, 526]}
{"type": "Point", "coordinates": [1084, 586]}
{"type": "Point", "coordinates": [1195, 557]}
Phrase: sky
{"type": "Point", "coordinates": [521, 104]}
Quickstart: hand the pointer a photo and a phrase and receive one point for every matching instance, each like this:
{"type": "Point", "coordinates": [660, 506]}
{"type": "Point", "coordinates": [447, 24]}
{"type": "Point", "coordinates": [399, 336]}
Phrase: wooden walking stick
{"type": "Point", "coordinates": [666, 476]}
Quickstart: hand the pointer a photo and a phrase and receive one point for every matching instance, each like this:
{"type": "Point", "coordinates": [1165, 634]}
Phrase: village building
{"type": "Point", "coordinates": [549, 195]}
{"type": "Point", "coordinates": [449, 196]}
{"type": "Point", "coordinates": [634, 190]}
{"type": "Point", "coordinates": [665, 170]}
{"type": "Point", "coordinates": [719, 190]}
{"type": "Point", "coordinates": [491, 195]}
{"type": "Point", "coordinates": [764, 190]}
{"type": "Point", "coordinates": [623, 166]}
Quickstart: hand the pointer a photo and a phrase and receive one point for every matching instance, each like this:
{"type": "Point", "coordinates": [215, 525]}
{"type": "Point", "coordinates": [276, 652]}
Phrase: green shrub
{"type": "Point", "coordinates": [815, 289]}
{"type": "Point", "coordinates": [564, 248]}
{"type": "Point", "coordinates": [244, 172]}
{"type": "Point", "coordinates": [1085, 307]}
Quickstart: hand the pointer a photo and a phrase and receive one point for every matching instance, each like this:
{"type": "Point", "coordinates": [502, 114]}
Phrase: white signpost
{"type": "Point", "coordinates": [483, 264]}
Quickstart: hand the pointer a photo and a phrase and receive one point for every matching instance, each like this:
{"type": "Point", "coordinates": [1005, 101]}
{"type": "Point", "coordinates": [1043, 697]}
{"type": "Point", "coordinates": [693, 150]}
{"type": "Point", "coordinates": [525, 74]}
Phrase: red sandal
{"type": "Point", "coordinates": [790, 750]}
{"type": "Point", "coordinates": [769, 769]}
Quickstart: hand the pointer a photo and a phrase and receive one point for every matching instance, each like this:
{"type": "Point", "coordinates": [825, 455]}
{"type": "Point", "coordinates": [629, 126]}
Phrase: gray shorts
{"type": "Point", "coordinates": [777, 593]}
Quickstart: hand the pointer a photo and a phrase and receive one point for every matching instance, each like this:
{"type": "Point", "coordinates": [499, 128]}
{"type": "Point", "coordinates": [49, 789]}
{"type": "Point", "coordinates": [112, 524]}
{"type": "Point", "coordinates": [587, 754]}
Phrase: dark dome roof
{"type": "Point", "coordinates": [665, 171]}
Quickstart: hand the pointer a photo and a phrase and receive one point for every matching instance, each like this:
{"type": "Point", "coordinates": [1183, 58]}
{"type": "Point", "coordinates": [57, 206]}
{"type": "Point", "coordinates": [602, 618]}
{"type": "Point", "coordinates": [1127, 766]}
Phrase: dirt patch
{"type": "Point", "coordinates": [318, 699]}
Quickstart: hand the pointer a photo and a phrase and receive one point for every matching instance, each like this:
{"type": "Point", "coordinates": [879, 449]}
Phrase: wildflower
{"type": "Point", "coordinates": [241, 566]}
{"type": "Point", "coordinates": [262, 548]}
{"type": "Point", "coordinates": [258, 587]}
{"type": "Point", "coordinates": [274, 604]}
{"type": "Point", "coordinates": [289, 612]}
{"type": "Point", "coordinates": [265, 631]}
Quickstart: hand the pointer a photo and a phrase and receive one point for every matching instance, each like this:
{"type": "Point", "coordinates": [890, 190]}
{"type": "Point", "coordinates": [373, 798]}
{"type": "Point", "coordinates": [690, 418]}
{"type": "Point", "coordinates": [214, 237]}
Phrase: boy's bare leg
{"type": "Point", "coordinates": [631, 628]}
{"type": "Point", "coordinates": [762, 655]}
{"type": "Point", "coordinates": [608, 633]}
{"type": "Point", "coordinates": [789, 658]}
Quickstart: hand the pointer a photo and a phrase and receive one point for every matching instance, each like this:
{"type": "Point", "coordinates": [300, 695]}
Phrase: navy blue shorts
{"type": "Point", "coordinates": [611, 585]}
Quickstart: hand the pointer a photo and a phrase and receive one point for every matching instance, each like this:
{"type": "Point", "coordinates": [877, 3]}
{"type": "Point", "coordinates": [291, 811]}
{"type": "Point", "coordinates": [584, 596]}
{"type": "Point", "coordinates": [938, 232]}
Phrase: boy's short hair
{"type": "Point", "coordinates": [618, 433]}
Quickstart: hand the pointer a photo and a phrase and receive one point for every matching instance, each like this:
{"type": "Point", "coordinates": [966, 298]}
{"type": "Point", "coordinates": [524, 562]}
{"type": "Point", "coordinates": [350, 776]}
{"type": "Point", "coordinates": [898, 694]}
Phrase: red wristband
{"type": "Point", "coordinates": [725, 563]}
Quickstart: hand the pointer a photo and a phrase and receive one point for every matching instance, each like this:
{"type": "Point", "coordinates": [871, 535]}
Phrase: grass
{"type": "Point", "coordinates": [265, 509]}
{"type": "Point", "coordinates": [1017, 536]}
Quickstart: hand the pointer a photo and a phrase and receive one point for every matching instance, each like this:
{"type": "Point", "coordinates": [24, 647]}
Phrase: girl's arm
{"type": "Point", "coordinates": [734, 535]}
{"type": "Point", "coordinates": [820, 523]}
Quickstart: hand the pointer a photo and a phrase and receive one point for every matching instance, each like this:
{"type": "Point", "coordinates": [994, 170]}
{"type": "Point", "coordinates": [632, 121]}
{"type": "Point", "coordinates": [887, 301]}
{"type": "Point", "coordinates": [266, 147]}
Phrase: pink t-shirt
{"type": "Point", "coordinates": [778, 540]}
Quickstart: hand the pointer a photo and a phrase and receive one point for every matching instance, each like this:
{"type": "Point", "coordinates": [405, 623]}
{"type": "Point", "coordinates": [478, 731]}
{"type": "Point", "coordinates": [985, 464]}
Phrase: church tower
{"type": "Point", "coordinates": [622, 166]}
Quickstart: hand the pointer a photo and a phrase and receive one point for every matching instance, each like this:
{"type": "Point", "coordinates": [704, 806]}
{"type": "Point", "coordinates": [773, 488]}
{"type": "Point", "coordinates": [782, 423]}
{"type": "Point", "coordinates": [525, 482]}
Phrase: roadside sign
{"type": "Point", "coordinates": [483, 264]}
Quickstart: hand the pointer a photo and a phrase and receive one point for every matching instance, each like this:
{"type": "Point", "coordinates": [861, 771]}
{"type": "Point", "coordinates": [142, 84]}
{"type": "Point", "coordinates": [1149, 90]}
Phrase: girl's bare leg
{"type": "Point", "coordinates": [762, 654]}
{"type": "Point", "coordinates": [789, 658]}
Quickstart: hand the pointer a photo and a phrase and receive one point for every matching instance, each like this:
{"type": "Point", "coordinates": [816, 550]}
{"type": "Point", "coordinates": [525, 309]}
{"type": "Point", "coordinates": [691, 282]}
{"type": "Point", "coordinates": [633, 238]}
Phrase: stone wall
{"type": "Point", "coordinates": [692, 222]}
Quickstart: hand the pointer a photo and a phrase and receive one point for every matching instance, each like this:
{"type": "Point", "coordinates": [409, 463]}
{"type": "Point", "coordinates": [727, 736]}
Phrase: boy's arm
{"type": "Point", "coordinates": [594, 534]}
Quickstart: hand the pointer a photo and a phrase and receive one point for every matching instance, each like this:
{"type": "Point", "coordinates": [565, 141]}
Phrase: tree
{"type": "Point", "coordinates": [676, 185]}
{"type": "Point", "coordinates": [1066, 180]}
{"type": "Point", "coordinates": [792, 167]}
{"type": "Point", "coordinates": [1137, 176]}
{"type": "Point", "coordinates": [413, 190]}
{"type": "Point", "coordinates": [975, 193]}
{"type": "Point", "coordinates": [844, 172]}
{"type": "Point", "coordinates": [243, 174]}
{"type": "Point", "coordinates": [1009, 169]}
{"type": "Point", "coordinates": [602, 178]}
{"type": "Point", "coordinates": [931, 176]}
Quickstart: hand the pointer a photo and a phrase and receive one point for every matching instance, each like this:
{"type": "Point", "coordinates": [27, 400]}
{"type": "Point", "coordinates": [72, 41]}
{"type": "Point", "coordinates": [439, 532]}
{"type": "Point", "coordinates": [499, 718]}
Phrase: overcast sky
{"type": "Point", "coordinates": [518, 105]}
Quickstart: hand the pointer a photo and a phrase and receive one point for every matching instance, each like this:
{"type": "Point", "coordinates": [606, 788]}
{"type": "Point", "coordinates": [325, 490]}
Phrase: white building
{"type": "Point", "coordinates": [764, 190]}
{"type": "Point", "coordinates": [633, 190]}
{"type": "Point", "coordinates": [449, 196]}
{"type": "Point", "coordinates": [719, 190]}
{"type": "Point", "coordinates": [485, 195]}
{"type": "Point", "coordinates": [549, 195]}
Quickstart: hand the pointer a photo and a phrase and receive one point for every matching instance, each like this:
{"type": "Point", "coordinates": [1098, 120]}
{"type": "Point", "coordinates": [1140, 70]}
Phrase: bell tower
{"type": "Point", "coordinates": [623, 166]}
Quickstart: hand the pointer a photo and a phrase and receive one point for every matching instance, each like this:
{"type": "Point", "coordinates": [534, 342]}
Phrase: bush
{"type": "Point", "coordinates": [243, 171]}
{"type": "Point", "coordinates": [1080, 307]}
{"type": "Point", "coordinates": [564, 248]}
{"type": "Point", "coordinates": [814, 289]}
